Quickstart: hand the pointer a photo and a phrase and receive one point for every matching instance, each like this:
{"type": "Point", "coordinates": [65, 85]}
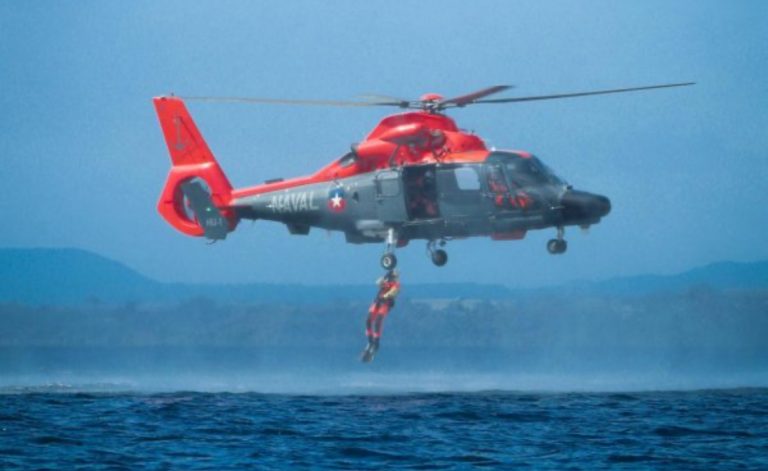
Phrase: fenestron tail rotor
{"type": "Point", "coordinates": [430, 102]}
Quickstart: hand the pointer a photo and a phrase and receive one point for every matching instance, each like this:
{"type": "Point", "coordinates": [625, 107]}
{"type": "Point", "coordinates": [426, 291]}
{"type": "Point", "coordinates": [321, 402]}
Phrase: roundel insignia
{"type": "Point", "coordinates": [336, 201]}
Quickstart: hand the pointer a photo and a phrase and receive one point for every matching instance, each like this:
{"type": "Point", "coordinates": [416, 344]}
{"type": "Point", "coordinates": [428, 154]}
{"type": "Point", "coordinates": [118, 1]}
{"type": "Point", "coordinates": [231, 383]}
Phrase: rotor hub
{"type": "Point", "coordinates": [428, 97]}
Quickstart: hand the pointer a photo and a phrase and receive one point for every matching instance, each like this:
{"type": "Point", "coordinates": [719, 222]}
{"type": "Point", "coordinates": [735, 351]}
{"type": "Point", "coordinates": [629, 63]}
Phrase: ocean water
{"type": "Point", "coordinates": [99, 427]}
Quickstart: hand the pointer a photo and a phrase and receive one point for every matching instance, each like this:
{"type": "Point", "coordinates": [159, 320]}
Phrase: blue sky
{"type": "Point", "coordinates": [83, 160]}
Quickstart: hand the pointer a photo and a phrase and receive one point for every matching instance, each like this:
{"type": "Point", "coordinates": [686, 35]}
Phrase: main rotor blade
{"type": "Point", "coordinates": [280, 101]}
{"type": "Point", "coordinates": [472, 97]}
{"type": "Point", "coordinates": [376, 98]}
{"type": "Point", "coordinates": [572, 95]}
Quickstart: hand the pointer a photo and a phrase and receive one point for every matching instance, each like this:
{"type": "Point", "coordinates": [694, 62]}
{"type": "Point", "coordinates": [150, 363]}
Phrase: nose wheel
{"type": "Point", "coordinates": [438, 256]}
{"type": "Point", "coordinates": [388, 260]}
{"type": "Point", "coordinates": [559, 245]}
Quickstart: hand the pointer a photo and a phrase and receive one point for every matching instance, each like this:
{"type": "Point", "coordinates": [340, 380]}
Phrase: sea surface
{"type": "Point", "coordinates": [64, 427]}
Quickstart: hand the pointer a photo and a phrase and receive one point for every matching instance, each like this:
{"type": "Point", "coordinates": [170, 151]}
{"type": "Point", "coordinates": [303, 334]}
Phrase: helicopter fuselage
{"type": "Point", "coordinates": [503, 196]}
{"type": "Point", "coordinates": [420, 174]}
{"type": "Point", "coordinates": [415, 176]}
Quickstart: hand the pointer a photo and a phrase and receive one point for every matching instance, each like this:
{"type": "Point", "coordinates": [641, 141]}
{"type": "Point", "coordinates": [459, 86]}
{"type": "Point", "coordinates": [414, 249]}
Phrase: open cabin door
{"type": "Point", "coordinates": [421, 192]}
{"type": "Point", "coordinates": [390, 197]}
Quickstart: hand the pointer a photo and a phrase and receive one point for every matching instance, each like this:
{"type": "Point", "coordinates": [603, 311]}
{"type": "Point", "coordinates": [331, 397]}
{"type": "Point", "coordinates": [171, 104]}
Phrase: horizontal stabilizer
{"type": "Point", "coordinates": [209, 217]}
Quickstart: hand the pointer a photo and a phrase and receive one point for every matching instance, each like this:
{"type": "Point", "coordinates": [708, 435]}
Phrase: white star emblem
{"type": "Point", "coordinates": [336, 201]}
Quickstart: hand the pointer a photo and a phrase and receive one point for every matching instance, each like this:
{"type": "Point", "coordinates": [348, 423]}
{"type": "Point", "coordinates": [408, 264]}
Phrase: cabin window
{"type": "Point", "coordinates": [459, 185]}
{"type": "Point", "coordinates": [459, 179]}
{"type": "Point", "coordinates": [389, 184]}
{"type": "Point", "coordinates": [467, 179]}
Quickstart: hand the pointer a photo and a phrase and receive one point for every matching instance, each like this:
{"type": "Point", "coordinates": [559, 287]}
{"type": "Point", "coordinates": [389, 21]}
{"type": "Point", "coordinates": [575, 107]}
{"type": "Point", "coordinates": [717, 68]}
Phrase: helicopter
{"type": "Point", "coordinates": [416, 176]}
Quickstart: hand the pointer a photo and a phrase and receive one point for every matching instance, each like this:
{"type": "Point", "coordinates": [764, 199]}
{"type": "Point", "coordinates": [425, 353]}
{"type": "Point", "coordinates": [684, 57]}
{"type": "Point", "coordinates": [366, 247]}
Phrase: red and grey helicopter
{"type": "Point", "coordinates": [415, 176]}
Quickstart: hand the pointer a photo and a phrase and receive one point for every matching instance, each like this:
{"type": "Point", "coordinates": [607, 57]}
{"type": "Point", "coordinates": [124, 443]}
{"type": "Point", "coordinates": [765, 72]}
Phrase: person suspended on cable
{"type": "Point", "coordinates": [389, 288]}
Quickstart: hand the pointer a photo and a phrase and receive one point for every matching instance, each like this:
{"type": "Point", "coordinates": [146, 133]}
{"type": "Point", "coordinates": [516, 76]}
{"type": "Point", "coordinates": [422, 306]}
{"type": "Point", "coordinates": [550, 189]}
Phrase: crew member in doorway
{"type": "Point", "coordinates": [421, 196]}
{"type": "Point", "coordinates": [389, 287]}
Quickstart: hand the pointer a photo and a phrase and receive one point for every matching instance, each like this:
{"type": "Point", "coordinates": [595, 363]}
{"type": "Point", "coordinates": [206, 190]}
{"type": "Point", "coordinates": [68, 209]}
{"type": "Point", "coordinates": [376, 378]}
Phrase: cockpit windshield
{"type": "Point", "coordinates": [525, 171]}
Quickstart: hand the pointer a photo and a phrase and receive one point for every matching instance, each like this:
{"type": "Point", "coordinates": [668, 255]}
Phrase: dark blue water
{"type": "Point", "coordinates": [187, 430]}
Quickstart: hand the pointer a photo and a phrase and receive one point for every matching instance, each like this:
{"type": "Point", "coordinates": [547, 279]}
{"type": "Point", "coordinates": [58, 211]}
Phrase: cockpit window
{"type": "Point", "coordinates": [525, 171]}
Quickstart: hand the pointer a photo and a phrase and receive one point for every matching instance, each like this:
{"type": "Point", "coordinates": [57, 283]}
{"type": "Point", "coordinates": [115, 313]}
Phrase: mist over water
{"type": "Point", "coordinates": [320, 371]}
{"type": "Point", "coordinates": [438, 408]}
{"type": "Point", "coordinates": [705, 328]}
{"type": "Point", "coordinates": [700, 338]}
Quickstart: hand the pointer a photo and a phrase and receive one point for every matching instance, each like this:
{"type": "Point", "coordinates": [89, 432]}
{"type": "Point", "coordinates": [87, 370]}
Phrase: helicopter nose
{"type": "Point", "coordinates": [580, 206]}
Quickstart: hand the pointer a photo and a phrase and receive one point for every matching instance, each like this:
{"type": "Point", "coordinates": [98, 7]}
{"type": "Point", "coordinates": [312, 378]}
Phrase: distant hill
{"type": "Point", "coordinates": [51, 276]}
{"type": "Point", "coordinates": [71, 276]}
{"type": "Point", "coordinates": [720, 275]}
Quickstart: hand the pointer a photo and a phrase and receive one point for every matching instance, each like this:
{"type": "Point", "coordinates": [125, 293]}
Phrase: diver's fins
{"type": "Point", "coordinates": [368, 353]}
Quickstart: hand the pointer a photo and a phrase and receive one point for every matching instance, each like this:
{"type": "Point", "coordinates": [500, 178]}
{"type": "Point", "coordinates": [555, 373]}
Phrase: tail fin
{"type": "Point", "coordinates": [197, 193]}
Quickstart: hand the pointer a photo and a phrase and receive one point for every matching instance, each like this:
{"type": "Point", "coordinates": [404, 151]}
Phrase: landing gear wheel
{"type": "Point", "coordinates": [552, 246]}
{"type": "Point", "coordinates": [439, 257]}
{"type": "Point", "coordinates": [557, 246]}
{"type": "Point", "coordinates": [388, 261]}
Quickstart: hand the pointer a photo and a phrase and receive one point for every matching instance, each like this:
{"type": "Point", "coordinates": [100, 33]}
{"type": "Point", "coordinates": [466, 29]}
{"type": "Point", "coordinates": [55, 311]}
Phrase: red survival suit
{"type": "Point", "coordinates": [389, 287]}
